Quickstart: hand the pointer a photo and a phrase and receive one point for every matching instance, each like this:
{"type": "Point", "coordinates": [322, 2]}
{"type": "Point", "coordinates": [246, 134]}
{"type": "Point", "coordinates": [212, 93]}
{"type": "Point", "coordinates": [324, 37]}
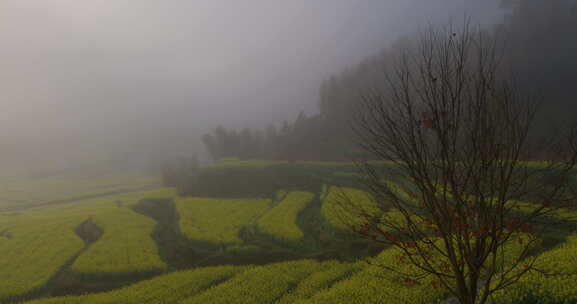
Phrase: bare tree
{"type": "Point", "coordinates": [472, 186]}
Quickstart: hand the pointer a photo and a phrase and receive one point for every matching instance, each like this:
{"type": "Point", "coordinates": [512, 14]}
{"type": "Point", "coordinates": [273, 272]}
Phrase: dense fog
{"type": "Point", "coordinates": [90, 82]}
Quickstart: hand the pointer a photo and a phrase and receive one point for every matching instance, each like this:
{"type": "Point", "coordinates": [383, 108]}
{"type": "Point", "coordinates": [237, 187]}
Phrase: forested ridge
{"type": "Point", "coordinates": [538, 41]}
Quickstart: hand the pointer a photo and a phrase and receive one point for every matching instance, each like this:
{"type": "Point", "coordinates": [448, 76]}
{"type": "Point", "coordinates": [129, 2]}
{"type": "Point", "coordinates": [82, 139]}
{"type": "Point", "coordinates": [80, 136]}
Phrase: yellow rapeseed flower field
{"type": "Point", "coordinates": [281, 221]}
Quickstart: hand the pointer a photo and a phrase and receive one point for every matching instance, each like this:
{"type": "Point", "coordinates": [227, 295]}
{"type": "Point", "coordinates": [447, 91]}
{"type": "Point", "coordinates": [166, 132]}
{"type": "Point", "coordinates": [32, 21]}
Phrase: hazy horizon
{"type": "Point", "coordinates": [83, 80]}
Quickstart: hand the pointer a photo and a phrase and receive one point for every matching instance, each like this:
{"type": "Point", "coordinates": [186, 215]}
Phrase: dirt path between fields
{"type": "Point", "coordinates": [61, 283]}
{"type": "Point", "coordinates": [174, 248]}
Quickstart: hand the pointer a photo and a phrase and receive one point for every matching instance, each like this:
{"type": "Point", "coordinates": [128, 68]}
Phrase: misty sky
{"type": "Point", "coordinates": [127, 73]}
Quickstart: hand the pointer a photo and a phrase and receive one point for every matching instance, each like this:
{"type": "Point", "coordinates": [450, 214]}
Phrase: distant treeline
{"type": "Point", "coordinates": [539, 43]}
{"type": "Point", "coordinates": [307, 138]}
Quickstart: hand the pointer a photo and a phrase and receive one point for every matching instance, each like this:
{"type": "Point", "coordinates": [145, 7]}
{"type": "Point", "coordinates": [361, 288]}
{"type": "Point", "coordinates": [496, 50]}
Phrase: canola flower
{"type": "Point", "coordinates": [281, 221]}
{"type": "Point", "coordinates": [218, 221]}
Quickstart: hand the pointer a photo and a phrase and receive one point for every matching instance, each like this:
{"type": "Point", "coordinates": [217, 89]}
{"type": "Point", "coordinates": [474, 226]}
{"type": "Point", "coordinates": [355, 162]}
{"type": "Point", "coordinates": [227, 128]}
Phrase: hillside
{"type": "Point", "coordinates": [275, 243]}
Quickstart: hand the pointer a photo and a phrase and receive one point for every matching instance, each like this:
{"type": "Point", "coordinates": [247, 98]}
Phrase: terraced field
{"type": "Point", "coordinates": [23, 193]}
{"type": "Point", "coordinates": [125, 248]}
{"type": "Point", "coordinates": [311, 282]}
{"type": "Point", "coordinates": [33, 248]}
{"type": "Point", "coordinates": [218, 222]}
{"type": "Point", "coordinates": [170, 288]}
{"type": "Point", "coordinates": [39, 244]}
{"type": "Point", "coordinates": [156, 247]}
{"type": "Point", "coordinates": [306, 281]}
{"type": "Point", "coordinates": [346, 207]}
{"type": "Point", "coordinates": [280, 223]}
